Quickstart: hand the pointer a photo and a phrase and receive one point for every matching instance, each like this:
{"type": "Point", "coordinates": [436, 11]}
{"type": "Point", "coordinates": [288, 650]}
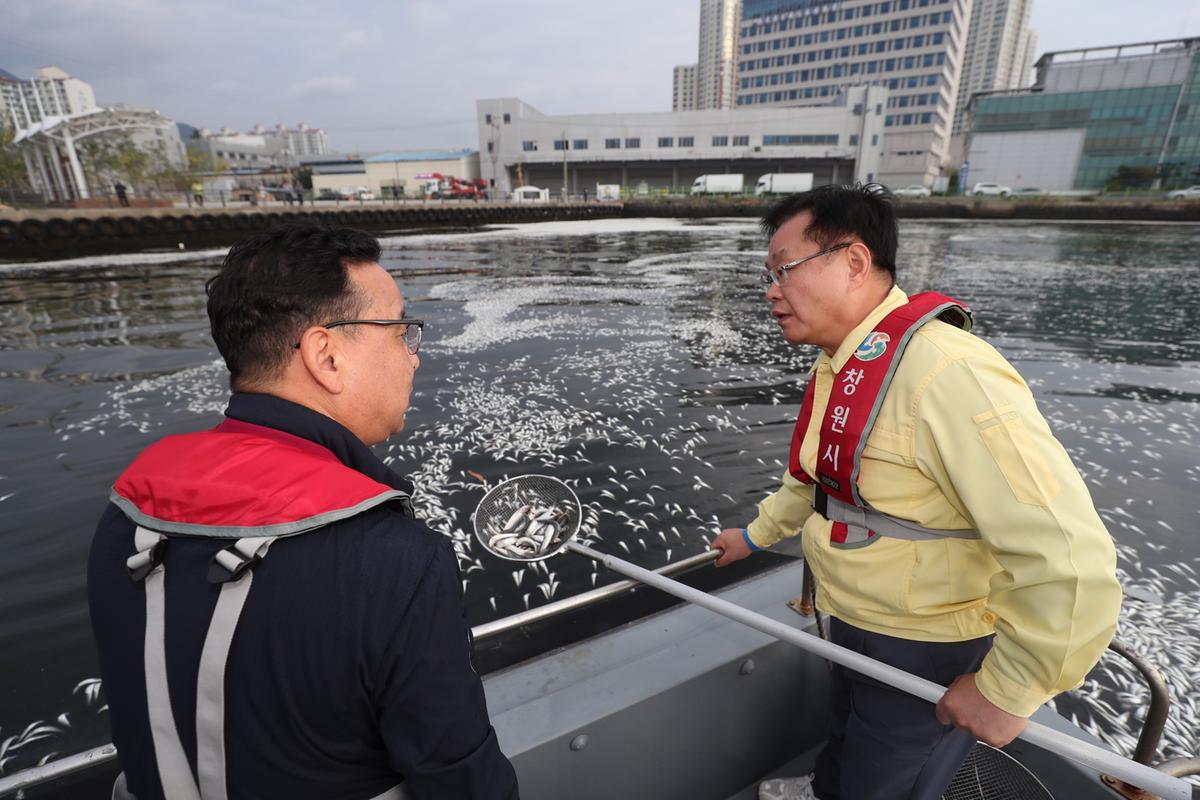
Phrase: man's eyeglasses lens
{"type": "Point", "coordinates": [778, 275]}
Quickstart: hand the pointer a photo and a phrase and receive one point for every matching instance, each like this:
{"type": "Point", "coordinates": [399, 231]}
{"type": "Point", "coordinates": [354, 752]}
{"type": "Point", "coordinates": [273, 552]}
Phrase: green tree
{"type": "Point", "coordinates": [1127, 177]}
{"type": "Point", "coordinates": [12, 166]}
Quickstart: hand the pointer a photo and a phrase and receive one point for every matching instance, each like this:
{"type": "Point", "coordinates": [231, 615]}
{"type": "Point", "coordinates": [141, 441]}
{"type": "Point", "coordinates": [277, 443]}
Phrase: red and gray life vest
{"type": "Point", "coordinates": [247, 484]}
{"type": "Point", "coordinates": [854, 402]}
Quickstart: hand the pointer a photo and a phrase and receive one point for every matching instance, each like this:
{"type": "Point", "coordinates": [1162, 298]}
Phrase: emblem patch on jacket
{"type": "Point", "coordinates": [873, 346]}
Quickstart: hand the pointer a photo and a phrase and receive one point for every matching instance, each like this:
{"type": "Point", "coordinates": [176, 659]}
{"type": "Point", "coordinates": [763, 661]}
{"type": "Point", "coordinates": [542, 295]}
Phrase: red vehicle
{"type": "Point", "coordinates": [452, 187]}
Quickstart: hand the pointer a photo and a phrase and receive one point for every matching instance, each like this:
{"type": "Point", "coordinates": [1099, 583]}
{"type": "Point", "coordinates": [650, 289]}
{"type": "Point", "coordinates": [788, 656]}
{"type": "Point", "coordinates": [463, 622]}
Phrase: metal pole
{"type": "Point", "coordinates": [81, 186]}
{"type": "Point", "coordinates": [564, 144]}
{"type": "Point", "coordinates": [1162, 154]}
{"type": "Point", "coordinates": [1077, 750]}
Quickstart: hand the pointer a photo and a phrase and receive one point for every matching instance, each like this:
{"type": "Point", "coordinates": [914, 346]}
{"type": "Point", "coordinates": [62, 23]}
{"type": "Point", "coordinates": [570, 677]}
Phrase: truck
{"type": "Point", "coordinates": [783, 183]}
{"type": "Point", "coordinates": [718, 184]}
{"type": "Point", "coordinates": [437, 186]}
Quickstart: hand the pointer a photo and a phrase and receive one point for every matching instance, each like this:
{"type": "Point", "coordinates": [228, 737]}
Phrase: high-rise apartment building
{"type": "Point", "coordinates": [801, 52]}
{"type": "Point", "coordinates": [50, 93]}
{"type": "Point", "coordinates": [999, 52]}
{"type": "Point", "coordinates": [715, 67]}
{"type": "Point", "coordinates": [683, 89]}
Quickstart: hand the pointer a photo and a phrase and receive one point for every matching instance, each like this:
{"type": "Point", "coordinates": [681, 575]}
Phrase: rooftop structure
{"type": "Point", "coordinates": [1126, 116]}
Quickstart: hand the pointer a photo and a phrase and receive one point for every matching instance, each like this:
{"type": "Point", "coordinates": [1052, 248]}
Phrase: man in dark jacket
{"type": "Point", "coordinates": [344, 669]}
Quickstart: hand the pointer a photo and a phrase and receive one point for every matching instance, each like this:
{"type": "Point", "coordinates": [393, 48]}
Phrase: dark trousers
{"type": "Point", "coordinates": [885, 744]}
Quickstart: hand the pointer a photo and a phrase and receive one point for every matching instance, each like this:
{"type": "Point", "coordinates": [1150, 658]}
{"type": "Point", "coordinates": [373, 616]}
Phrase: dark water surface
{"type": "Point", "coordinates": [637, 360]}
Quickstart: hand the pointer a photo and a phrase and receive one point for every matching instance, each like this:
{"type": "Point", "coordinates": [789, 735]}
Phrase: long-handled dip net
{"type": "Point", "coordinates": [533, 517]}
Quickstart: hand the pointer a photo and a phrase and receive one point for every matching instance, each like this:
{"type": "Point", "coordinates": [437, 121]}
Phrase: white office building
{"type": "Point", "coordinates": [663, 152]}
{"type": "Point", "coordinates": [801, 52]}
{"type": "Point", "coordinates": [999, 52]}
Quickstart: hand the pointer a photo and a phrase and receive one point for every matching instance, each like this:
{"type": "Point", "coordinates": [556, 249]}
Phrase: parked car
{"type": "Point", "coordinates": [355, 193]}
{"type": "Point", "coordinates": [914, 190]}
{"type": "Point", "coordinates": [990, 189]}
{"type": "Point", "coordinates": [1029, 191]}
{"type": "Point", "coordinates": [1190, 193]}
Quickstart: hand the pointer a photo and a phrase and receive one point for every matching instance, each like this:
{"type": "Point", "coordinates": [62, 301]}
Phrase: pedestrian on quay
{"type": "Point", "coordinates": [122, 196]}
{"type": "Point", "coordinates": [350, 673]}
{"type": "Point", "coordinates": [947, 529]}
{"type": "Point", "coordinates": [198, 193]}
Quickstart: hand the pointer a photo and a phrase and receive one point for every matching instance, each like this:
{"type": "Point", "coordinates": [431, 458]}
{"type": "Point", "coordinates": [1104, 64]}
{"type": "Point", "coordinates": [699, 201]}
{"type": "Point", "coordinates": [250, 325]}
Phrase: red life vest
{"type": "Point", "coordinates": [239, 480]}
{"type": "Point", "coordinates": [854, 402]}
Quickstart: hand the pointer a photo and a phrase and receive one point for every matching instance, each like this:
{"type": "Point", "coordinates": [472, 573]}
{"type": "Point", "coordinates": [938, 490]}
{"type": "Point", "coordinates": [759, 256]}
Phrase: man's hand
{"type": "Point", "coordinates": [732, 545]}
{"type": "Point", "coordinates": [965, 707]}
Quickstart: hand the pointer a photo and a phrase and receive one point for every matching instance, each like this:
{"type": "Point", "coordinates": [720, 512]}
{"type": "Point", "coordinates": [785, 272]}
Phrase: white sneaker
{"type": "Point", "coordinates": [787, 789]}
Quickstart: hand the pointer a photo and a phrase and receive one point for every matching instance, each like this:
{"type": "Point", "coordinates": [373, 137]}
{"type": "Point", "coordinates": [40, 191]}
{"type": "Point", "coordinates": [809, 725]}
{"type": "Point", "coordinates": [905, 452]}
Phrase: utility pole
{"type": "Point", "coordinates": [564, 144]}
{"type": "Point", "coordinates": [494, 144]}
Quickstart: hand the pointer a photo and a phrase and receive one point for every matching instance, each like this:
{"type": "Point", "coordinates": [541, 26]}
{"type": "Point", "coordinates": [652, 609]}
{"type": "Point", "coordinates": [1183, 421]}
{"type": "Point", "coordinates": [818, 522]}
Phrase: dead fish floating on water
{"type": "Point", "coordinates": [531, 530]}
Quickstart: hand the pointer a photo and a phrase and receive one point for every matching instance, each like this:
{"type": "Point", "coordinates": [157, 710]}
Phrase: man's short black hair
{"type": "Point", "coordinates": [278, 283]}
{"type": "Point", "coordinates": [863, 212]}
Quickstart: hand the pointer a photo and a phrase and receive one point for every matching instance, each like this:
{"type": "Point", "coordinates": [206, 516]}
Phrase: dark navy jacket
{"type": "Point", "coordinates": [350, 669]}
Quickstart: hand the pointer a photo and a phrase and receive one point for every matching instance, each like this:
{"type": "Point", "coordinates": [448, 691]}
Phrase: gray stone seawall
{"type": "Point", "coordinates": [56, 233]}
{"type": "Point", "coordinates": [1060, 209]}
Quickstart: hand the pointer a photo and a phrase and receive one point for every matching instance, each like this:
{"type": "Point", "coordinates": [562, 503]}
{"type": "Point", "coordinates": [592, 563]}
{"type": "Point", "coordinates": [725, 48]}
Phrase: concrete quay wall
{"type": "Point", "coordinates": [58, 233]}
{"type": "Point", "coordinates": [946, 208]}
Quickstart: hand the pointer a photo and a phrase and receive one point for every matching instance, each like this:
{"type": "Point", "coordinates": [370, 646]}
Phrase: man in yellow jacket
{"type": "Point", "coordinates": [978, 559]}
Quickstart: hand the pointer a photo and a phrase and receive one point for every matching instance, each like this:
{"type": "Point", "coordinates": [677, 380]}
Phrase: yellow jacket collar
{"type": "Point", "coordinates": [895, 298]}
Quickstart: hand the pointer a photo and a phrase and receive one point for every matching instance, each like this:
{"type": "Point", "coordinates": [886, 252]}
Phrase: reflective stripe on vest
{"type": "Point", "coordinates": [853, 406]}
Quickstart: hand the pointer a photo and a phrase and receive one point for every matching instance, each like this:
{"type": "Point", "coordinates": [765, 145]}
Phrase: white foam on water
{"type": "Point", "coordinates": [117, 260]}
{"type": "Point", "coordinates": [594, 227]}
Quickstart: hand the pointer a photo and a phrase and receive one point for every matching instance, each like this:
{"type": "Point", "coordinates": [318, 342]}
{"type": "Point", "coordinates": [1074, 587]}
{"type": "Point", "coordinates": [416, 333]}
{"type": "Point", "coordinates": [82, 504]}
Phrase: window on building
{"type": "Point", "coordinates": [854, 140]}
{"type": "Point", "coordinates": [491, 147]}
{"type": "Point", "coordinates": [579, 144]}
{"type": "Point", "coordinates": [634, 142]}
{"type": "Point", "coordinates": [507, 118]}
{"type": "Point", "coordinates": [666, 141]}
{"type": "Point", "coordinates": [612, 144]}
{"type": "Point", "coordinates": [529, 146]}
{"type": "Point", "coordinates": [560, 144]}
{"type": "Point", "coordinates": [741, 141]}
{"type": "Point", "coordinates": [687, 141]}
{"type": "Point", "coordinates": [487, 119]}
{"type": "Point", "coordinates": [720, 141]}
{"type": "Point", "coordinates": [874, 139]}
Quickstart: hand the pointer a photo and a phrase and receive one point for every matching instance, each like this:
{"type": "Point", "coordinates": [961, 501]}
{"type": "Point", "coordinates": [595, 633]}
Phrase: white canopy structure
{"type": "Point", "coordinates": [51, 157]}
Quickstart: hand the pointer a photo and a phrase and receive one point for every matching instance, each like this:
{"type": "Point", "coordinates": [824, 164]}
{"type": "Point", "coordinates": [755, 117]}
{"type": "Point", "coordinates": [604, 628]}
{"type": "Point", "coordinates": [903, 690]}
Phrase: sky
{"type": "Point", "coordinates": [405, 74]}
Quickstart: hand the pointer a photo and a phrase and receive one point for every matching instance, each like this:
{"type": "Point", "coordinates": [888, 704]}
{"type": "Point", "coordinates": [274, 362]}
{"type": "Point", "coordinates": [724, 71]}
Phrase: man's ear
{"type": "Point", "coordinates": [323, 359]}
{"type": "Point", "coordinates": [858, 255]}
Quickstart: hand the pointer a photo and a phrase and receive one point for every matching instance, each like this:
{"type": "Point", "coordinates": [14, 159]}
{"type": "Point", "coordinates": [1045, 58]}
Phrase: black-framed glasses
{"type": "Point", "coordinates": [778, 275]}
{"type": "Point", "coordinates": [412, 331]}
